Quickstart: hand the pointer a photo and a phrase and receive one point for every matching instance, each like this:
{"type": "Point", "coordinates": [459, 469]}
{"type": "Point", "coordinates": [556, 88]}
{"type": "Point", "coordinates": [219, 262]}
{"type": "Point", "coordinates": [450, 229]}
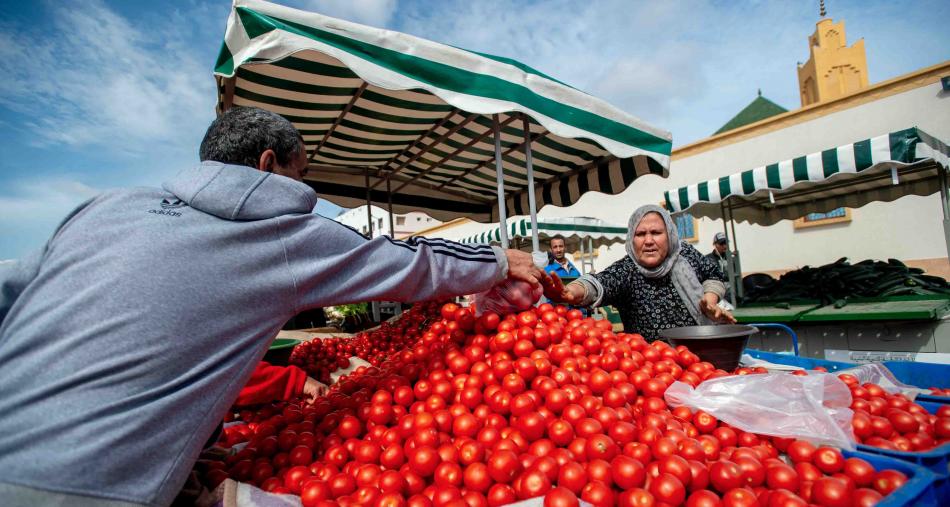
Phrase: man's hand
{"type": "Point", "coordinates": [521, 267]}
{"type": "Point", "coordinates": [709, 305]}
{"type": "Point", "coordinates": [313, 389]}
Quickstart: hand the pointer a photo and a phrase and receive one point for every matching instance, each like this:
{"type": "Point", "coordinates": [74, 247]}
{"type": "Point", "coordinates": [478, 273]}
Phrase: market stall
{"type": "Point", "coordinates": [462, 408]}
{"type": "Point", "coordinates": [414, 125]}
{"type": "Point", "coordinates": [879, 169]}
{"type": "Point", "coordinates": [581, 234]}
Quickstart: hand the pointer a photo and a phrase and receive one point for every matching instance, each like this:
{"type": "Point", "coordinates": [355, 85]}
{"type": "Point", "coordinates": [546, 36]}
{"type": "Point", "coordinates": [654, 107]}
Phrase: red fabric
{"type": "Point", "coordinates": [271, 383]}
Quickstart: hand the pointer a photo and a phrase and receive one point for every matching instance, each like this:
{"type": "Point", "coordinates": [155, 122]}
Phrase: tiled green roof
{"type": "Point", "coordinates": [760, 109]}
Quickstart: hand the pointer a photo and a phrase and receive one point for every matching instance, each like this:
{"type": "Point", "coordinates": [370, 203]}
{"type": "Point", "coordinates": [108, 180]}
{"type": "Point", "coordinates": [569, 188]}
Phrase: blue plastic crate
{"type": "Point", "coordinates": [802, 362]}
{"type": "Point", "coordinates": [937, 460]}
{"type": "Point", "coordinates": [922, 375]}
{"type": "Point", "coordinates": [920, 489]}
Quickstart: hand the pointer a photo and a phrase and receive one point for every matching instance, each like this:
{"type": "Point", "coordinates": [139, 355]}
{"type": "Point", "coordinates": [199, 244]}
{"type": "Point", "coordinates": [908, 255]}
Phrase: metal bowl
{"type": "Point", "coordinates": [720, 345]}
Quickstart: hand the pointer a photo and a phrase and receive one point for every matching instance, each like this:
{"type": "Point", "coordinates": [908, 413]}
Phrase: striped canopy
{"type": "Point", "coordinates": [883, 168]}
{"type": "Point", "coordinates": [416, 117]}
{"type": "Point", "coordinates": [574, 230]}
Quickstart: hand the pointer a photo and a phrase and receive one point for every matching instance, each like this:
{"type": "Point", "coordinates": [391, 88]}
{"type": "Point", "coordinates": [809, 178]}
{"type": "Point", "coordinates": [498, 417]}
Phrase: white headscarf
{"type": "Point", "coordinates": [685, 281]}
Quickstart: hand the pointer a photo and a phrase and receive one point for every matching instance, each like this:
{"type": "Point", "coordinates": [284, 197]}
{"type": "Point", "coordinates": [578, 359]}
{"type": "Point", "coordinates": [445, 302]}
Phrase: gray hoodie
{"type": "Point", "coordinates": [125, 340]}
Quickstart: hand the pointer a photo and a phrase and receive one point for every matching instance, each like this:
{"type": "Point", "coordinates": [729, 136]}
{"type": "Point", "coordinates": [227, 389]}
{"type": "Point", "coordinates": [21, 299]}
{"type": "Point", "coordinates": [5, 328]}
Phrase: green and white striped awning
{"type": "Point", "coordinates": [883, 168]}
{"type": "Point", "coordinates": [574, 230]}
{"type": "Point", "coordinates": [390, 106]}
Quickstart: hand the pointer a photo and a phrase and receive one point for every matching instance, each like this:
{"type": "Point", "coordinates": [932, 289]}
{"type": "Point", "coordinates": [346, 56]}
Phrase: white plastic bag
{"type": "Point", "coordinates": [231, 493]}
{"type": "Point", "coordinates": [511, 296]}
{"type": "Point", "coordinates": [877, 373]}
{"type": "Point", "coordinates": [813, 407]}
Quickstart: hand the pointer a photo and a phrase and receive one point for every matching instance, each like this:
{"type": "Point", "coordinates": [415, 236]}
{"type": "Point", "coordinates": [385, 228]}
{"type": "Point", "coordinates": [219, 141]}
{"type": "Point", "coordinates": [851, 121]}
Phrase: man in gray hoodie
{"type": "Point", "coordinates": [125, 340]}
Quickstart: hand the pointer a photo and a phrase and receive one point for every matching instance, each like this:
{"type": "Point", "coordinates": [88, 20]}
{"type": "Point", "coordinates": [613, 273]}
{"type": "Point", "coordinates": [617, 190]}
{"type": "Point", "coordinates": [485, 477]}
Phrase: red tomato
{"type": "Point", "coordinates": [864, 497]}
{"type": "Point", "coordinates": [703, 498]}
{"type": "Point", "coordinates": [448, 474]}
{"type": "Point", "coordinates": [667, 488]}
{"type": "Point", "coordinates": [740, 497]}
{"type": "Point", "coordinates": [598, 494]}
{"type": "Point", "coordinates": [887, 481]}
{"type": "Point", "coordinates": [313, 492]}
{"type": "Point", "coordinates": [677, 467]}
{"type": "Point", "coordinates": [560, 497]}
{"type": "Point", "coordinates": [572, 476]}
{"type": "Point", "coordinates": [424, 460]}
{"type": "Point", "coordinates": [627, 472]}
{"type": "Point", "coordinates": [503, 466]}
{"type": "Point", "coordinates": [725, 475]}
{"type": "Point", "coordinates": [902, 421]}
{"type": "Point", "coordinates": [533, 483]}
{"type": "Point", "coordinates": [828, 459]}
{"type": "Point", "coordinates": [860, 471]}
{"type": "Point", "coordinates": [831, 492]}
{"type": "Point", "coordinates": [704, 422]}
{"type": "Point", "coordinates": [295, 477]}
{"type": "Point", "coordinates": [601, 447]}
{"type": "Point", "coordinates": [782, 477]}
{"type": "Point", "coordinates": [449, 310]}
{"type": "Point", "coordinates": [727, 436]}
{"type": "Point", "coordinates": [753, 473]}
{"type": "Point", "coordinates": [801, 451]}
{"type": "Point", "coordinates": [560, 432]}
{"type": "Point", "coordinates": [341, 485]}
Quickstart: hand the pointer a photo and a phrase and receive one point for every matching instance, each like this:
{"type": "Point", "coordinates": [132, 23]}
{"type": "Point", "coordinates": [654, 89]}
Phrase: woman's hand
{"type": "Point", "coordinates": [557, 292]}
{"type": "Point", "coordinates": [709, 305]}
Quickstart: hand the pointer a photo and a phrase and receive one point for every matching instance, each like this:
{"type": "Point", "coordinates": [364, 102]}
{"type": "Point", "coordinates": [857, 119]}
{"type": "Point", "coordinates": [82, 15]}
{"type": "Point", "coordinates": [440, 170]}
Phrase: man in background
{"type": "Point", "coordinates": [718, 255]}
{"type": "Point", "coordinates": [560, 265]}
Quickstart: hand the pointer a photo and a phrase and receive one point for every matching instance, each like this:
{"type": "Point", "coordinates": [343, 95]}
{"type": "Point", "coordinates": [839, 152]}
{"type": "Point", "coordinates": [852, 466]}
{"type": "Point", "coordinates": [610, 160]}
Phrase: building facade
{"type": "Point", "coordinates": [404, 225]}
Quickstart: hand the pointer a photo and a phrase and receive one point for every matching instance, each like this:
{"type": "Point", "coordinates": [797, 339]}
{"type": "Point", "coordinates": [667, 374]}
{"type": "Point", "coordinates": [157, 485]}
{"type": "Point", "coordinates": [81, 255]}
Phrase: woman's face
{"type": "Point", "coordinates": [650, 242]}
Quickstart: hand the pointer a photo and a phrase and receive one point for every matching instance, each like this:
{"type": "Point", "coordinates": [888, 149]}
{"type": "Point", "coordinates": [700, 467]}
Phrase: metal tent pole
{"type": "Point", "coordinates": [389, 202]}
{"type": "Point", "coordinates": [730, 273]}
{"type": "Point", "coordinates": [738, 267]}
{"type": "Point", "coordinates": [499, 178]}
{"type": "Point", "coordinates": [532, 205]}
{"type": "Point", "coordinates": [944, 195]}
{"type": "Point", "coordinates": [392, 229]}
{"type": "Point", "coordinates": [590, 254]}
{"type": "Point", "coordinates": [373, 305]}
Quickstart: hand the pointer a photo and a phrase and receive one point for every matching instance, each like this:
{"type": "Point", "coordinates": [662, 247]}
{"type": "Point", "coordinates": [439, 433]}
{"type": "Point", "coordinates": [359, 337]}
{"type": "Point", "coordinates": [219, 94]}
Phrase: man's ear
{"type": "Point", "coordinates": [267, 161]}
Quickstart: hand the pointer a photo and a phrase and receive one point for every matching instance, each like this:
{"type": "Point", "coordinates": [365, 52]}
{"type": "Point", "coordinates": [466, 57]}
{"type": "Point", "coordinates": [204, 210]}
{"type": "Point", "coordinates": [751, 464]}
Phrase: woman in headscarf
{"type": "Point", "coordinates": [661, 283]}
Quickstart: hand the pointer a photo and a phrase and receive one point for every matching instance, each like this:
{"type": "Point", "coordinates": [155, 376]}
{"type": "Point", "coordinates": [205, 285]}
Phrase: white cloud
{"type": "Point", "coordinates": [98, 79]}
{"type": "Point", "coordinates": [376, 13]}
{"type": "Point", "coordinates": [43, 199]}
{"type": "Point", "coordinates": [30, 210]}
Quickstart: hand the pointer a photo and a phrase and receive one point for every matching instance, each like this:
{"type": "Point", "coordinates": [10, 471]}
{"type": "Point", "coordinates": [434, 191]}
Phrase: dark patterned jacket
{"type": "Point", "coordinates": [647, 305]}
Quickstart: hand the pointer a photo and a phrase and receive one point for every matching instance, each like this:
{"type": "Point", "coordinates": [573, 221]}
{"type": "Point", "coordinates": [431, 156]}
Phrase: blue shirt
{"type": "Point", "coordinates": [555, 267]}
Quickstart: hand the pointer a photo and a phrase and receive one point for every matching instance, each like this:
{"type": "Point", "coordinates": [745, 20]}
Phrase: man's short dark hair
{"type": "Point", "coordinates": [241, 134]}
{"type": "Point", "coordinates": [557, 236]}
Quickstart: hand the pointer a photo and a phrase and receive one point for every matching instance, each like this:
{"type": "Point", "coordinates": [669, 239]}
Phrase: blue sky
{"type": "Point", "coordinates": [103, 94]}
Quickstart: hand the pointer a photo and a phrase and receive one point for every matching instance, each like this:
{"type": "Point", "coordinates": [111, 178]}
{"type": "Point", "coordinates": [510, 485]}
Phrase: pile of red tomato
{"type": "Point", "coordinates": [891, 421]}
{"type": "Point", "coordinates": [544, 403]}
{"type": "Point", "coordinates": [321, 357]}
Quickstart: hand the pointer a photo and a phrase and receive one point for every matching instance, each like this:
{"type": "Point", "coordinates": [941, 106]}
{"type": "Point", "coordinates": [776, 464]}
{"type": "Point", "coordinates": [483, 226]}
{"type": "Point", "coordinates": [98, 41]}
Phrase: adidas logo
{"type": "Point", "coordinates": [168, 204]}
{"type": "Point", "coordinates": [172, 203]}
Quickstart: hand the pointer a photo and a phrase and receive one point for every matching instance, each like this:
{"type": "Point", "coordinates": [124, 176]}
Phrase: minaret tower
{"type": "Point", "coordinates": [833, 69]}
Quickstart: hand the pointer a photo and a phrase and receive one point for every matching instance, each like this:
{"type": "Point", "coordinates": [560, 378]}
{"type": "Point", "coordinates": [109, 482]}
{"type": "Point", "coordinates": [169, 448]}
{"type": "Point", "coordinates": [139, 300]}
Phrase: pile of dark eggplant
{"type": "Point", "coordinates": [841, 280]}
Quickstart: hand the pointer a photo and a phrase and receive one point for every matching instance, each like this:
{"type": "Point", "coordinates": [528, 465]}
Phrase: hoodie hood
{"type": "Point", "coordinates": [236, 192]}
